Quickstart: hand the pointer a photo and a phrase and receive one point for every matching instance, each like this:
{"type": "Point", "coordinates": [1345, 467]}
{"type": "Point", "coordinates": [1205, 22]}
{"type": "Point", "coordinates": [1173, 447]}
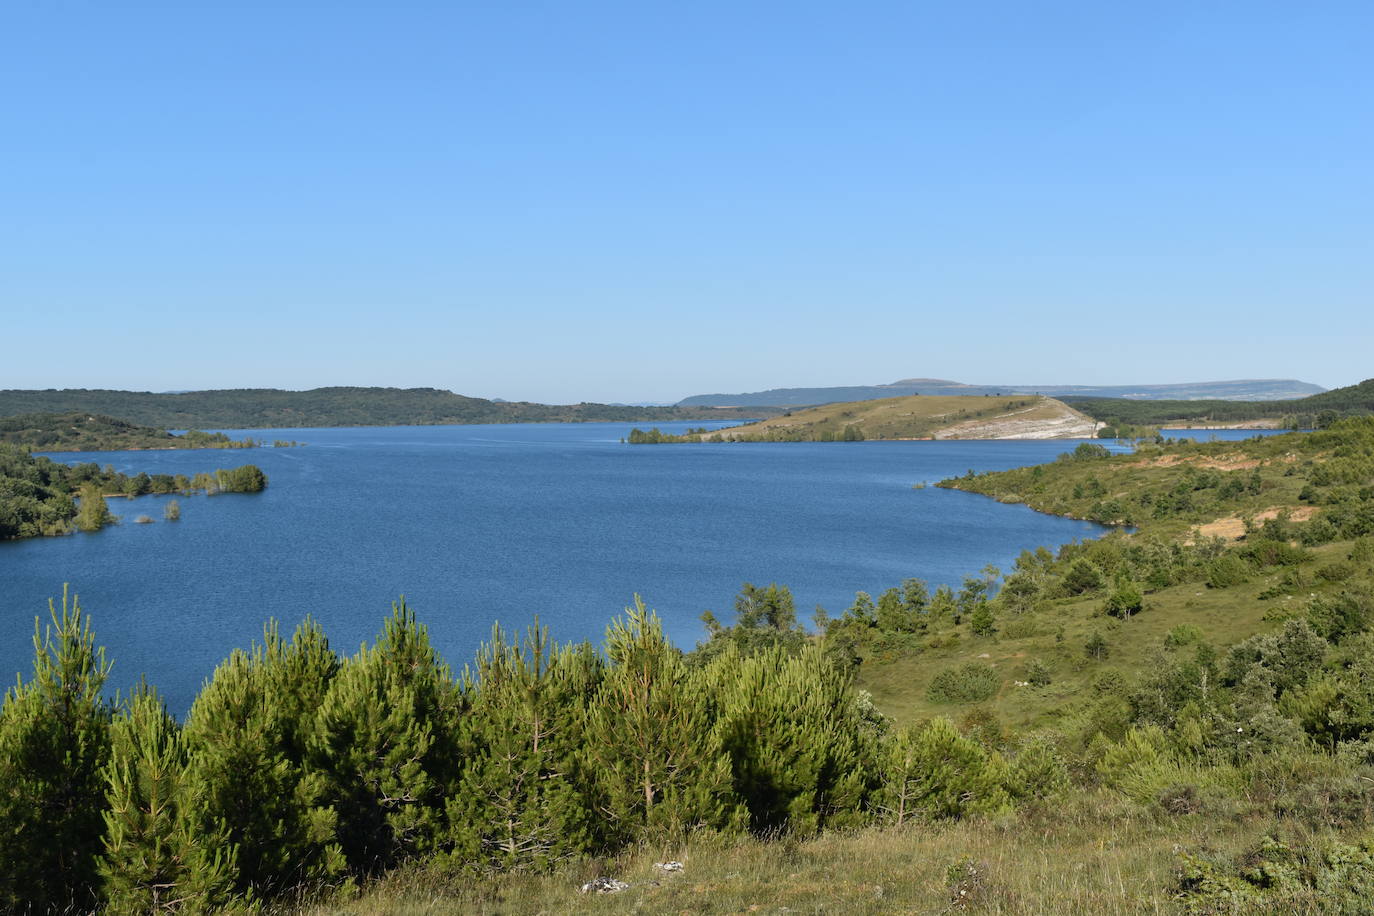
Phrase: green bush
{"type": "Point", "coordinates": [1125, 600]}
{"type": "Point", "coordinates": [1336, 572]}
{"type": "Point", "coordinates": [1226, 571]}
{"type": "Point", "coordinates": [1268, 552]}
{"type": "Point", "coordinates": [970, 683]}
{"type": "Point", "coordinates": [933, 771]}
{"type": "Point", "coordinates": [1082, 578]}
{"type": "Point", "coordinates": [1327, 876]}
{"type": "Point", "coordinates": [1185, 634]}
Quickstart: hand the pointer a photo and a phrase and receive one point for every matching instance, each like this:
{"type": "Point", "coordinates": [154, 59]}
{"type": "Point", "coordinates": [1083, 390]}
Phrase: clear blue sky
{"type": "Point", "coordinates": [643, 201]}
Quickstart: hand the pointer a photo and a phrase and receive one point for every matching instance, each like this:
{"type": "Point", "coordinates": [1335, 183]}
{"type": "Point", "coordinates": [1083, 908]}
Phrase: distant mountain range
{"type": "Point", "coordinates": [1239, 390]}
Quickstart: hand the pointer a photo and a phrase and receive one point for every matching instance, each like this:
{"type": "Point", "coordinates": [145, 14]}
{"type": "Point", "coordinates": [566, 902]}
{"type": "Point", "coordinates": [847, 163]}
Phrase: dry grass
{"type": "Point", "coordinates": [1101, 855]}
{"type": "Point", "coordinates": [921, 417]}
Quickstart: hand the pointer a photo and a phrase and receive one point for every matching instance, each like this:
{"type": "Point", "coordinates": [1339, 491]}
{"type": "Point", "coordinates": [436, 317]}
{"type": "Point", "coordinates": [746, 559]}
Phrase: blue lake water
{"type": "Point", "coordinates": [477, 524]}
{"type": "Point", "coordinates": [1221, 435]}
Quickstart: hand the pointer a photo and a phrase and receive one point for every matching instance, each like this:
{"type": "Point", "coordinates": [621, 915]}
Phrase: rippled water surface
{"type": "Point", "coordinates": [477, 524]}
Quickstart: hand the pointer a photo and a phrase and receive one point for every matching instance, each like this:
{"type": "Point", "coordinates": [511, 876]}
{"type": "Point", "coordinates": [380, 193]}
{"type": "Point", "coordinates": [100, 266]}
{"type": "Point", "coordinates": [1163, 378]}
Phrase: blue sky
{"type": "Point", "coordinates": [643, 201]}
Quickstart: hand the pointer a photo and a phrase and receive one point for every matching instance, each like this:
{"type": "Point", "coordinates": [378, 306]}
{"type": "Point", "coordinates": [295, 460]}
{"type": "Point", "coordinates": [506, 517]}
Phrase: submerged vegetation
{"type": "Point", "coordinates": [39, 496]}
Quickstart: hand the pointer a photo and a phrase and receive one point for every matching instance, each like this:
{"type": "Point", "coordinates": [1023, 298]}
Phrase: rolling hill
{"type": "Point", "coordinates": [1316, 410]}
{"type": "Point", "coordinates": [920, 417]}
{"type": "Point", "coordinates": [1240, 390]}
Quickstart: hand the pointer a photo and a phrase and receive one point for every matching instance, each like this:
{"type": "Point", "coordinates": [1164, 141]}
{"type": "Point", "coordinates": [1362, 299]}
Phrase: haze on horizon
{"type": "Point", "coordinates": [619, 202]}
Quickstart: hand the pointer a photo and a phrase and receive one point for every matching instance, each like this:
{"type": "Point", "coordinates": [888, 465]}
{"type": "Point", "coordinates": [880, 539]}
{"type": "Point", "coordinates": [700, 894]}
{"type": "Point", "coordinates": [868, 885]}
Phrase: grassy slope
{"type": "Point", "coordinates": [1225, 616]}
{"type": "Point", "coordinates": [898, 681]}
{"type": "Point", "coordinates": [913, 417]}
{"type": "Point", "coordinates": [1120, 859]}
{"type": "Point", "coordinates": [1115, 490]}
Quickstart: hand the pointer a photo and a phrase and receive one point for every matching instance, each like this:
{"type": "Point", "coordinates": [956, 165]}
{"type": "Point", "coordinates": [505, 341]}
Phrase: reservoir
{"type": "Point", "coordinates": [482, 524]}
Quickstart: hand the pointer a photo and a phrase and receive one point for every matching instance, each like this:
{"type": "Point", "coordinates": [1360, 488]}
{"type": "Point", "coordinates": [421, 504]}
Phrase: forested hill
{"type": "Point", "coordinates": [258, 408]}
{"type": "Point", "coordinates": [1317, 410]}
{"type": "Point", "coordinates": [82, 432]}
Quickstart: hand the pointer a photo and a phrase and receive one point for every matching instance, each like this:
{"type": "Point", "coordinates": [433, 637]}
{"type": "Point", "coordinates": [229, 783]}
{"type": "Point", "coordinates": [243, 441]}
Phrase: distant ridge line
{"type": "Point", "coordinates": [1232, 390]}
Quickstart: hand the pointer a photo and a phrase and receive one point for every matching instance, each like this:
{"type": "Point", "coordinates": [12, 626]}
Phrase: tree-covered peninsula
{"type": "Point", "coordinates": [1177, 717]}
{"type": "Point", "coordinates": [82, 432]}
{"type": "Point", "coordinates": [39, 496]}
{"type": "Point", "coordinates": [261, 408]}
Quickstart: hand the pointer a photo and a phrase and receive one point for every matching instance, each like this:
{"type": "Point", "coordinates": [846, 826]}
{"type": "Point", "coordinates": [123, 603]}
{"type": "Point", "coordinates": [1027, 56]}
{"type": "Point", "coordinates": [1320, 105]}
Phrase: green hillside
{"type": "Point", "coordinates": [81, 432]}
{"type": "Point", "coordinates": [261, 408]}
{"type": "Point", "coordinates": [1301, 413]}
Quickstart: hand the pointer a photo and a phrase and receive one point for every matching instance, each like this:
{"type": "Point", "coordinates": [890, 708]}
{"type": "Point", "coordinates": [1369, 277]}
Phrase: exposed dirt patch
{"type": "Point", "coordinates": [1217, 464]}
{"type": "Point", "coordinates": [1233, 528]}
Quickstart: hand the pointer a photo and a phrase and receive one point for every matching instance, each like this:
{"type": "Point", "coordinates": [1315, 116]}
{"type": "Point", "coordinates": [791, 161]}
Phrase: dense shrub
{"type": "Point", "coordinates": [1125, 600]}
{"type": "Point", "coordinates": [934, 771]}
{"type": "Point", "coordinates": [1082, 577]}
{"type": "Point", "coordinates": [969, 683]}
{"type": "Point", "coordinates": [1037, 673]}
{"type": "Point", "coordinates": [1185, 634]}
{"type": "Point", "coordinates": [1226, 571]}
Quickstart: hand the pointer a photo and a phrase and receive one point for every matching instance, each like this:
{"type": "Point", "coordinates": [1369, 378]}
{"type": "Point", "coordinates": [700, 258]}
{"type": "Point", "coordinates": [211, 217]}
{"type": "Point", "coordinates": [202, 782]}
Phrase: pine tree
{"type": "Point", "coordinates": [522, 799]}
{"type": "Point", "coordinates": [943, 608]}
{"type": "Point", "coordinates": [916, 601]}
{"type": "Point", "coordinates": [862, 610]}
{"type": "Point", "coordinates": [385, 746]}
{"type": "Point", "coordinates": [159, 857]}
{"type": "Point", "coordinates": [934, 771]}
{"type": "Point", "coordinates": [650, 737]}
{"type": "Point", "coordinates": [893, 615]}
{"type": "Point", "coordinates": [982, 622]}
{"type": "Point", "coordinates": [54, 742]}
{"type": "Point", "coordinates": [246, 736]}
{"type": "Point", "coordinates": [801, 748]}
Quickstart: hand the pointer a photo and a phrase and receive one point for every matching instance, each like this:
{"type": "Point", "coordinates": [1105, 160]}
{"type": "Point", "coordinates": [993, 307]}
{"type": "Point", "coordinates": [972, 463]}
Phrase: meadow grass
{"type": "Point", "coordinates": [1094, 853]}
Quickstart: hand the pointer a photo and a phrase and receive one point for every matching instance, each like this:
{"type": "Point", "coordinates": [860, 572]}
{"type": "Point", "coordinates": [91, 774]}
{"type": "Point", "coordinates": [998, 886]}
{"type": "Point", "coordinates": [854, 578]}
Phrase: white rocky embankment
{"type": "Point", "coordinates": [1052, 420]}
